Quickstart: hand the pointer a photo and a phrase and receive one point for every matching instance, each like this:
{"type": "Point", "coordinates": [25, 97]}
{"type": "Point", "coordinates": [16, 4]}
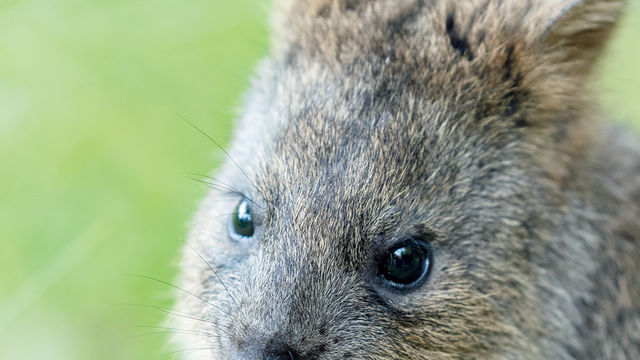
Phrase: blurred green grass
{"type": "Point", "coordinates": [96, 160]}
{"type": "Point", "coordinates": [95, 157]}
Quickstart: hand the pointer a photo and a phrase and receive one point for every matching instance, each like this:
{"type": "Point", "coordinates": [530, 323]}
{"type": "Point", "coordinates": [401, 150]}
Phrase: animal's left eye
{"type": "Point", "coordinates": [242, 221]}
{"type": "Point", "coordinates": [406, 264]}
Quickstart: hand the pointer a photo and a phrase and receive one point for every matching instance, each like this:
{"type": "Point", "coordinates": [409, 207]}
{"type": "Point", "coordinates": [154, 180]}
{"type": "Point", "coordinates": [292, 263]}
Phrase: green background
{"type": "Point", "coordinates": [95, 157]}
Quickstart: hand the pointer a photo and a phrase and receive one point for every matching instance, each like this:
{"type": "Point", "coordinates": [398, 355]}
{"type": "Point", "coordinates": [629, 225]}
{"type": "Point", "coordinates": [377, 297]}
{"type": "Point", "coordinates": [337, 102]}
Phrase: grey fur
{"type": "Point", "coordinates": [466, 122]}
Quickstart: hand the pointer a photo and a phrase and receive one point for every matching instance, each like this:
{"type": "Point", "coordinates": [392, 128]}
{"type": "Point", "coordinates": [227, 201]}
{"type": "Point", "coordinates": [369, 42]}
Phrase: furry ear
{"type": "Point", "coordinates": [577, 35]}
{"type": "Point", "coordinates": [547, 48]}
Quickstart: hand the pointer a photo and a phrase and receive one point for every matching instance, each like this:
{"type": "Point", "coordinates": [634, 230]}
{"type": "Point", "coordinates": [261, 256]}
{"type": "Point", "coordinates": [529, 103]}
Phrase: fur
{"type": "Point", "coordinates": [469, 121]}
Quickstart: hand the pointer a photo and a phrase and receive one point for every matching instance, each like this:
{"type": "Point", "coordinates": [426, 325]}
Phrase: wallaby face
{"type": "Point", "coordinates": [421, 180]}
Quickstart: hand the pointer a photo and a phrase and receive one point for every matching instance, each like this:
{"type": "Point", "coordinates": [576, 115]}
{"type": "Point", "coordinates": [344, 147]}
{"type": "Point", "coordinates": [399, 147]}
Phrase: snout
{"type": "Point", "coordinates": [257, 350]}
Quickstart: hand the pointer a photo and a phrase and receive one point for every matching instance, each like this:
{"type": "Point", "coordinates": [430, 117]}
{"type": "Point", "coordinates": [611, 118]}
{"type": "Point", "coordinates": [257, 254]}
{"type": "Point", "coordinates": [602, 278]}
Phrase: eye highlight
{"type": "Point", "coordinates": [406, 264]}
{"type": "Point", "coordinates": [242, 225]}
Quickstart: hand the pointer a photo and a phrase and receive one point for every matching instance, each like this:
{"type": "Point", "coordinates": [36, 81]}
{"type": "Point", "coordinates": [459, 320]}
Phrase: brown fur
{"type": "Point", "coordinates": [468, 121]}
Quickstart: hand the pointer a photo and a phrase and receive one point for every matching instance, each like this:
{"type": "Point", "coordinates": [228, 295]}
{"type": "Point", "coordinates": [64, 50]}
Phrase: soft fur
{"type": "Point", "coordinates": [469, 121]}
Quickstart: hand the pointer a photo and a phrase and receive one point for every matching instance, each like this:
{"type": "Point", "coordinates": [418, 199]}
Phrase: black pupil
{"type": "Point", "coordinates": [242, 220]}
{"type": "Point", "coordinates": [405, 264]}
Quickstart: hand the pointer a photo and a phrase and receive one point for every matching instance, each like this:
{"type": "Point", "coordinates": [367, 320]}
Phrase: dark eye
{"type": "Point", "coordinates": [242, 221]}
{"type": "Point", "coordinates": [405, 264]}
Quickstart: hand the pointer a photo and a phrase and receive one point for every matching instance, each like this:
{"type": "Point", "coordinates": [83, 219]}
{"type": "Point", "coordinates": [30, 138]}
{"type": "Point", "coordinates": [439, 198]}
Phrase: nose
{"type": "Point", "coordinates": [278, 351]}
{"type": "Point", "coordinates": [280, 355]}
{"type": "Point", "coordinates": [270, 351]}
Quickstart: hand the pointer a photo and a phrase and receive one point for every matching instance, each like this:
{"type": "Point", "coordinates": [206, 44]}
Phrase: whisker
{"type": "Point", "coordinates": [215, 273]}
{"type": "Point", "coordinates": [171, 312]}
{"type": "Point", "coordinates": [219, 185]}
{"type": "Point", "coordinates": [181, 289]}
{"type": "Point", "coordinates": [164, 330]}
{"type": "Point", "coordinates": [217, 326]}
{"type": "Point", "coordinates": [216, 181]}
{"type": "Point", "coordinates": [217, 144]}
{"type": "Point", "coordinates": [191, 349]}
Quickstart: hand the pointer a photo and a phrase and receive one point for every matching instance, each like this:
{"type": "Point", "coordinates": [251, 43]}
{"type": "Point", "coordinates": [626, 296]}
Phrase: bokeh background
{"type": "Point", "coordinates": [95, 158]}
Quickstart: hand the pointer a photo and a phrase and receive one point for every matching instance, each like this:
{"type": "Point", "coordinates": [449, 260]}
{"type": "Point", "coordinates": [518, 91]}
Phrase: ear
{"type": "Point", "coordinates": [576, 36]}
{"type": "Point", "coordinates": [547, 50]}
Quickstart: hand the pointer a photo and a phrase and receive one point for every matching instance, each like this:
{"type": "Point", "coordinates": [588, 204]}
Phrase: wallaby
{"type": "Point", "coordinates": [421, 179]}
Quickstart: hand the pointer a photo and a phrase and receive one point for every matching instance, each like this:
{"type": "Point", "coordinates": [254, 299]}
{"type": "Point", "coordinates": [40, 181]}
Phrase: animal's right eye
{"type": "Point", "coordinates": [405, 265]}
{"type": "Point", "coordinates": [241, 225]}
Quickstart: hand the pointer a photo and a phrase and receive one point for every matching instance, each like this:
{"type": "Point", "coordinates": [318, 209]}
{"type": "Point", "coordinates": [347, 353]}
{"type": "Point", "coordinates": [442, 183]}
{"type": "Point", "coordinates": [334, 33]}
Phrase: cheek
{"type": "Point", "coordinates": [209, 253]}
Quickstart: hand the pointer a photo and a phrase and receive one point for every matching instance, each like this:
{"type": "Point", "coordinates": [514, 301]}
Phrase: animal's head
{"type": "Point", "coordinates": [395, 186]}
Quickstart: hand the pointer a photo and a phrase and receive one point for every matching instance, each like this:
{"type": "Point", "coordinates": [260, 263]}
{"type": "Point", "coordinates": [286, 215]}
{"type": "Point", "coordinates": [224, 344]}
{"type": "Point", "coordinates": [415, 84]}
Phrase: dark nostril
{"type": "Point", "coordinates": [279, 352]}
{"type": "Point", "coordinates": [280, 356]}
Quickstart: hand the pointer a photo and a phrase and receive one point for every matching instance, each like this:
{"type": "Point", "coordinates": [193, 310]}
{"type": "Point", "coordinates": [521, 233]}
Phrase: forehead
{"type": "Point", "coordinates": [356, 128]}
{"type": "Point", "coordinates": [350, 171]}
